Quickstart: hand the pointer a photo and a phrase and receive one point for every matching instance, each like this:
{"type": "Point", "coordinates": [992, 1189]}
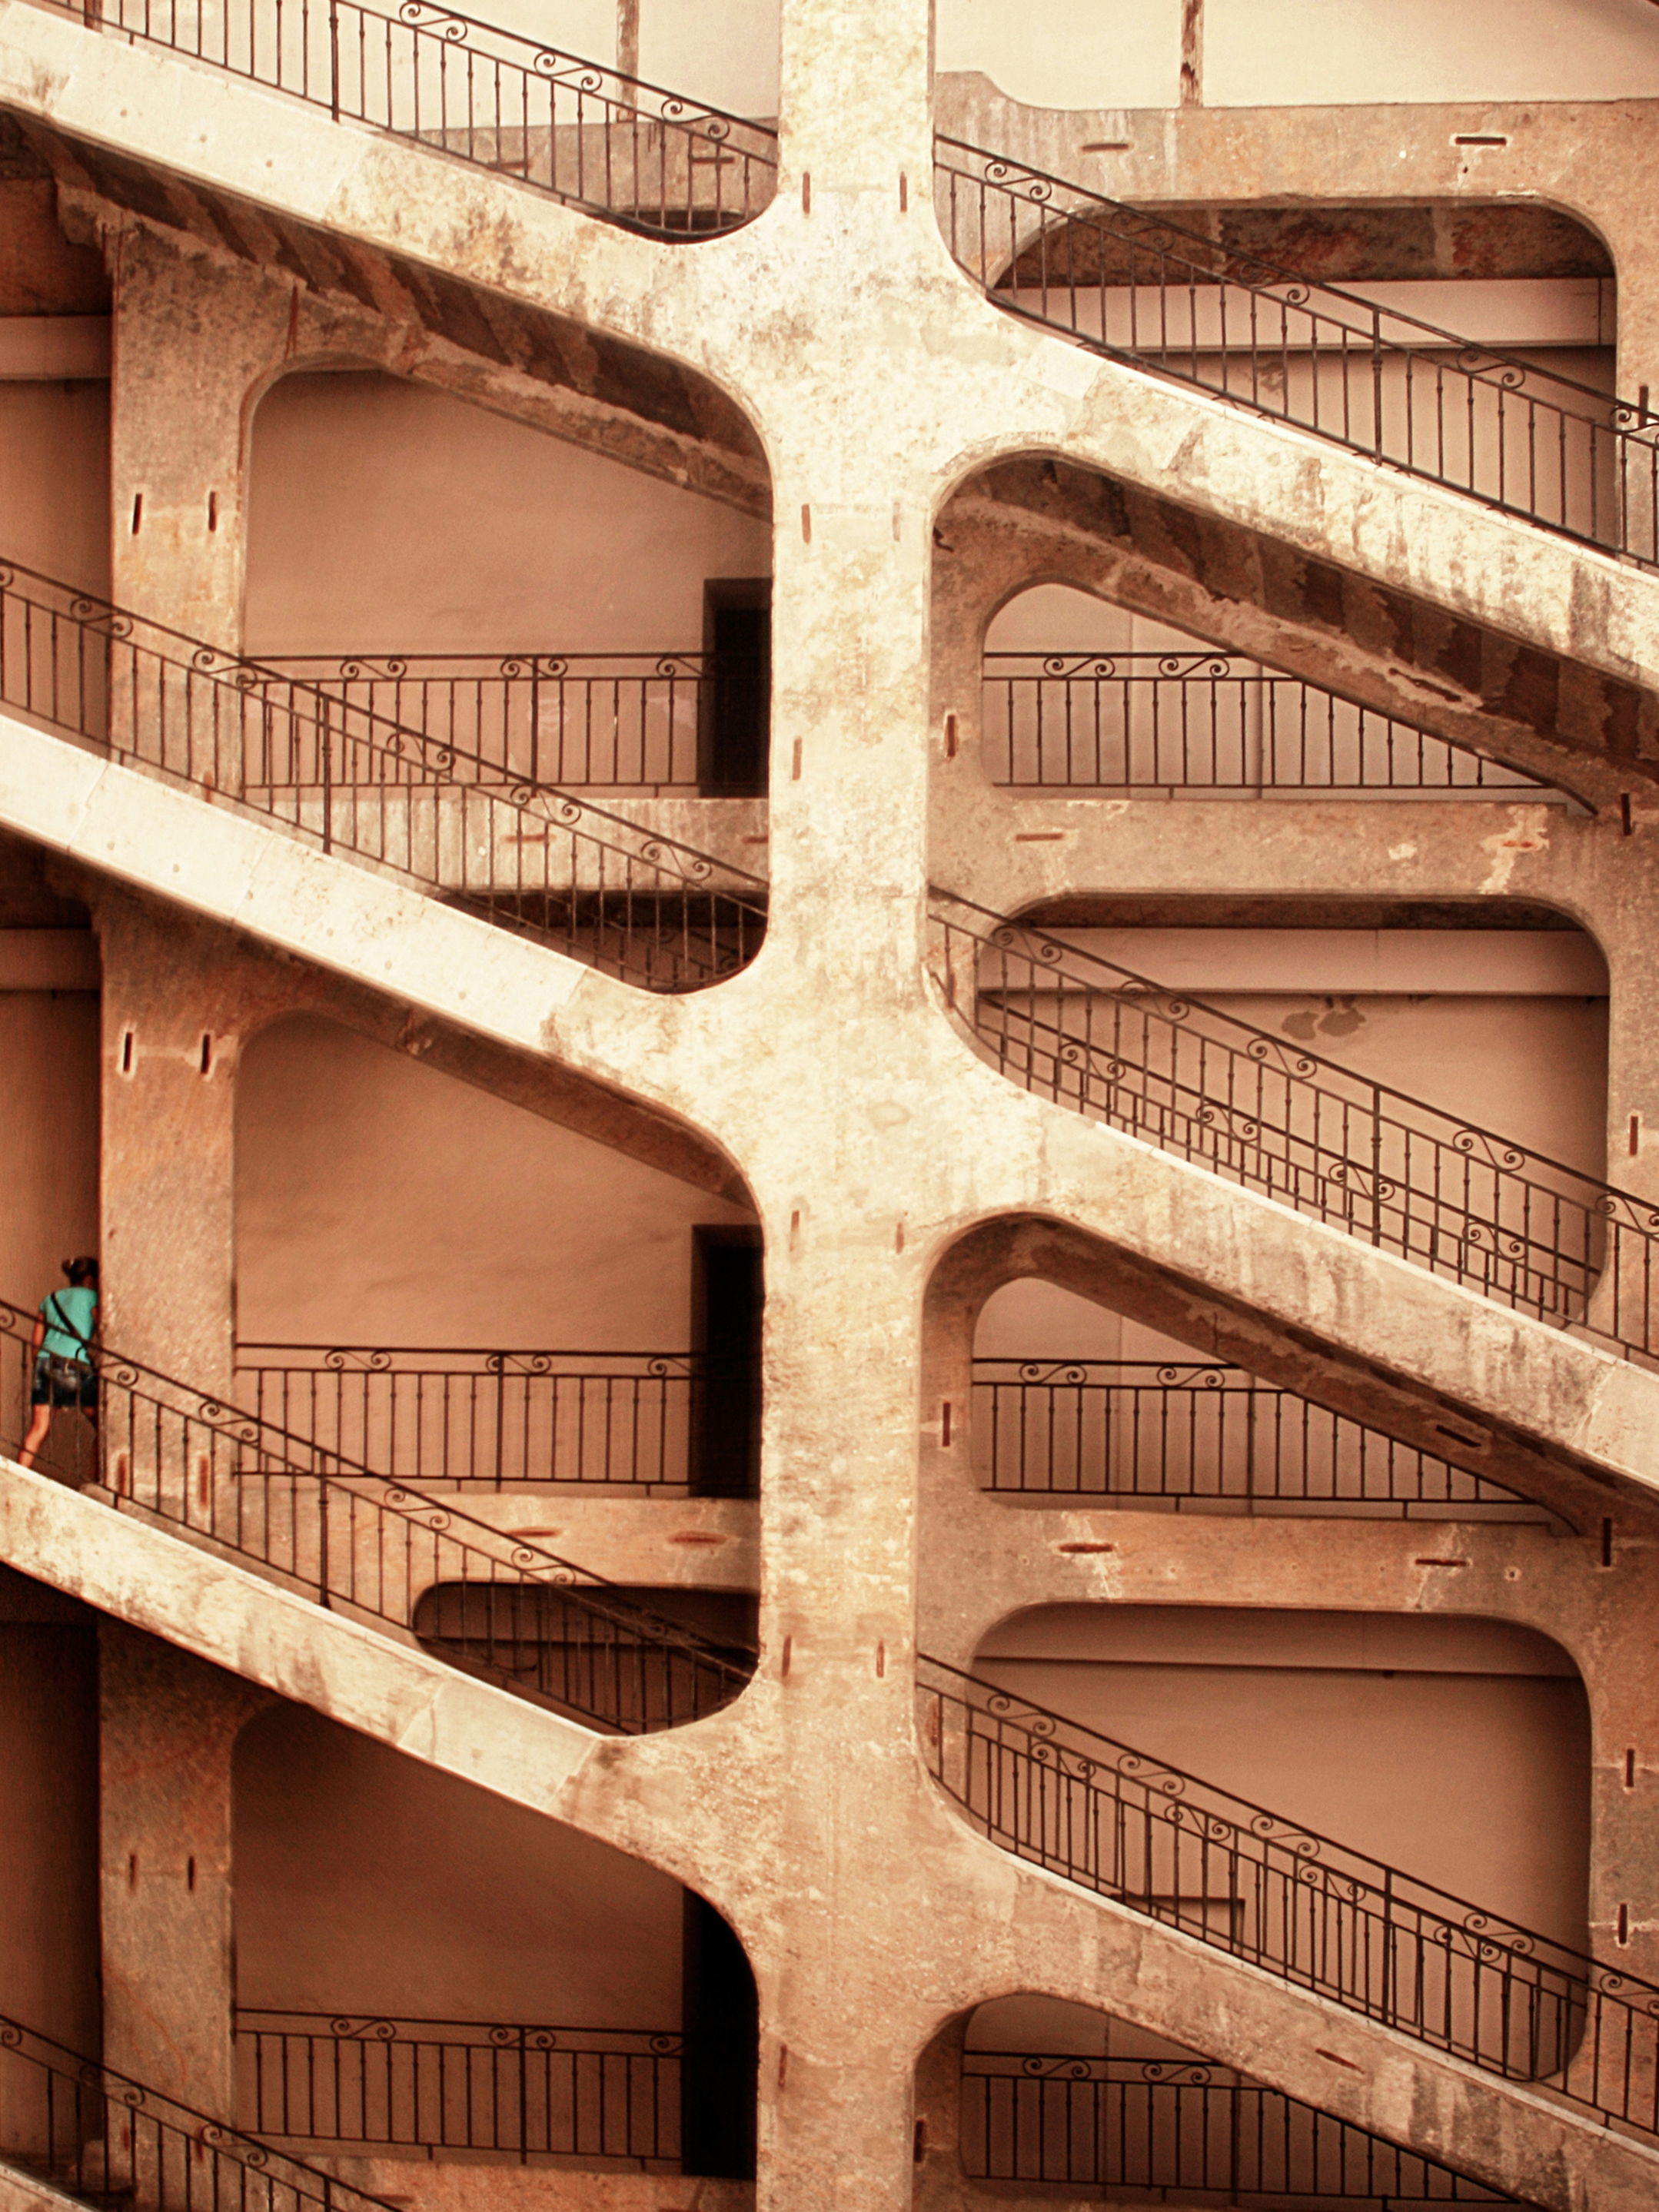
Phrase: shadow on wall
{"type": "Point", "coordinates": [1034, 2089]}
{"type": "Point", "coordinates": [422, 1966]}
{"type": "Point", "coordinates": [1454, 1748]}
{"type": "Point", "coordinates": [385, 517]}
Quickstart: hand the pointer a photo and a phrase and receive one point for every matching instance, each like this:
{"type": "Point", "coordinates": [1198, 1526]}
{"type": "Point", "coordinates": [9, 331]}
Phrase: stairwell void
{"type": "Point", "coordinates": [520, 1561]}
{"type": "Point", "coordinates": [540, 747]}
{"type": "Point", "coordinates": [380, 1372]}
{"type": "Point", "coordinates": [500, 1986]}
{"type": "Point", "coordinates": [1046, 2093]}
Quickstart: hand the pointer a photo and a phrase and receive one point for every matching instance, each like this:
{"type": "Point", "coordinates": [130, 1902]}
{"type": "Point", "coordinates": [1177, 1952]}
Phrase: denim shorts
{"type": "Point", "coordinates": [61, 1381]}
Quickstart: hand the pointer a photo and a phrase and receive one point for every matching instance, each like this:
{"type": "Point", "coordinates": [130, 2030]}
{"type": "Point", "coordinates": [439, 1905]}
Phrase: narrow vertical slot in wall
{"type": "Point", "coordinates": [734, 724]}
{"type": "Point", "coordinates": [728, 1299]}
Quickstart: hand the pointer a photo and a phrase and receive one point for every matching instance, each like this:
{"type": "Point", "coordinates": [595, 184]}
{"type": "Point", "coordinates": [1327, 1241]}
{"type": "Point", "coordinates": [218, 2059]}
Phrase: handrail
{"type": "Point", "coordinates": [1131, 285]}
{"type": "Point", "coordinates": [1461, 1200]}
{"type": "Point", "coordinates": [449, 1415]}
{"type": "Point", "coordinates": [532, 2090]}
{"type": "Point", "coordinates": [1311, 1911]}
{"type": "Point", "coordinates": [104, 2137]}
{"type": "Point", "coordinates": [353, 1541]}
{"type": "Point", "coordinates": [1199, 1432]}
{"type": "Point", "coordinates": [632, 721]}
{"type": "Point", "coordinates": [641, 155]}
{"type": "Point", "coordinates": [579, 877]}
{"type": "Point", "coordinates": [1208, 721]}
{"type": "Point", "coordinates": [1161, 2123]}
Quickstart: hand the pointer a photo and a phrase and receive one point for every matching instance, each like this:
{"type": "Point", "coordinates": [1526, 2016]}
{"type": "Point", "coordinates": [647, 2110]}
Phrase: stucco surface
{"type": "Point", "coordinates": [869, 1136]}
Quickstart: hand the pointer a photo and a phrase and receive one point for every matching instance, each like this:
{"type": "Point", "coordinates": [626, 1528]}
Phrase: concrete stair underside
{"type": "Point", "coordinates": [980, 1917]}
{"type": "Point", "coordinates": [974, 364]}
{"type": "Point", "coordinates": [688, 1056]}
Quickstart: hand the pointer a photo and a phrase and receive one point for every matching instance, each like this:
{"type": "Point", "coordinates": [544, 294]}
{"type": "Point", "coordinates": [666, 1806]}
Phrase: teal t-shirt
{"type": "Point", "coordinates": [78, 1307]}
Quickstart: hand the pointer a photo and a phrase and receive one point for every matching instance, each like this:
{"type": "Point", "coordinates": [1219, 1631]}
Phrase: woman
{"type": "Point", "coordinates": [63, 1336]}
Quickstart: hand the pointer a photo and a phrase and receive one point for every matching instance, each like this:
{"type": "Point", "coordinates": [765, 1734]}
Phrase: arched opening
{"type": "Point", "coordinates": [1075, 1404]}
{"type": "Point", "coordinates": [453, 1290]}
{"type": "Point", "coordinates": [1048, 2094]}
{"type": "Point", "coordinates": [1330, 1796]}
{"type": "Point", "coordinates": [423, 1970]}
{"type": "Point", "coordinates": [551, 614]}
{"type": "Point", "coordinates": [1454, 1748]}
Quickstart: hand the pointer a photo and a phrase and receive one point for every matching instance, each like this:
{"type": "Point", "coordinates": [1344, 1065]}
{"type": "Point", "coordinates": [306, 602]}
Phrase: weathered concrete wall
{"type": "Point", "coordinates": [1068, 53]}
{"type": "Point", "coordinates": [167, 1727]}
{"type": "Point", "coordinates": [385, 517]}
{"type": "Point", "coordinates": [367, 1883]}
{"type": "Point", "coordinates": [1456, 1749]}
{"type": "Point", "coordinates": [380, 1202]}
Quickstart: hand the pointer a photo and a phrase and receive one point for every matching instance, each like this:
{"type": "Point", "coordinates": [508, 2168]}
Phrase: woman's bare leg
{"type": "Point", "coordinates": [39, 1425]}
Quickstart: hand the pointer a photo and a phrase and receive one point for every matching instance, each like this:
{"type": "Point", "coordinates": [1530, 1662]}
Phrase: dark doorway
{"type": "Point", "coordinates": [727, 1297]}
{"type": "Point", "coordinates": [720, 2072]}
{"type": "Point", "coordinates": [734, 727]}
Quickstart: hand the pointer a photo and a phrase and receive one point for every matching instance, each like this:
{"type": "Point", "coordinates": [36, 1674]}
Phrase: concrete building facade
{"type": "Point", "coordinates": [827, 872]}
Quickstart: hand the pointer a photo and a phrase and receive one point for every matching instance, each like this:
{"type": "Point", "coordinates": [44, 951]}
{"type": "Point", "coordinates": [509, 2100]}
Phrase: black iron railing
{"type": "Point", "coordinates": [341, 776]}
{"type": "Point", "coordinates": [107, 2140]}
{"type": "Point", "coordinates": [362, 1546]}
{"type": "Point", "coordinates": [423, 1415]}
{"type": "Point", "coordinates": [649, 722]}
{"type": "Point", "coordinates": [1172, 2123]}
{"type": "Point", "coordinates": [1131, 285]}
{"type": "Point", "coordinates": [1206, 721]}
{"type": "Point", "coordinates": [648, 159]}
{"type": "Point", "coordinates": [586, 2092]}
{"type": "Point", "coordinates": [1461, 1200]}
{"type": "Point", "coordinates": [1311, 1911]}
{"type": "Point", "coordinates": [1197, 1437]}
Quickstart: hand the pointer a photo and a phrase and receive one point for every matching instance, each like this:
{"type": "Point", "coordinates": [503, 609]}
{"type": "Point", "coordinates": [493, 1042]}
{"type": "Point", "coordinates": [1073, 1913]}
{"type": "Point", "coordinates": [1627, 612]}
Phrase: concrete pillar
{"type": "Point", "coordinates": [194, 343]}
{"type": "Point", "coordinates": [168, 1727]}
{"type": "Point", "coordinates": [179, 1000]}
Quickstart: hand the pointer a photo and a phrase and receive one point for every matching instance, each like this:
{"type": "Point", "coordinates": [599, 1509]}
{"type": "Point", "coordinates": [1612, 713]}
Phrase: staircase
{"type": "Point", "coordinates": [1300, 1906]}
{"type": "Point", "coordinates": [1133, 286]}
{"type": "Point", "coordinates": [1201, 720]}
{"type": "Point", "coordinates": [640, 156]}
{"type": "Point", "coordinates": [100, 2138]}
{"type": "Point", "coordinates": [1184, 2125]}
{"type": "Point", "coordinates": [342, 776]}
{"type": "Point", "coordinates": [1462, 1201]}
{"type": "Point", "coordinates": [301, 1515]}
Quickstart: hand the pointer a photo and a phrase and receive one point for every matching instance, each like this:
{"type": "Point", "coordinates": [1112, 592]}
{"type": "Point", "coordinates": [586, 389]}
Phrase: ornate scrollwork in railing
{"type": "Point", "coordinates": [583, 131]}
{"type": "Point", "coordinates": [1298, 1904]}
{"type": "Point", "coordinates": [461, 2085]}
{"type": "Point", "coordinates": [1532, 1232]}
{"type": "Point", "coordinates": [1178, 2126]}
{"type": "Point", "coordinates": [295, 1507]}
{"type": "Point", "coordinates": [455, 1416]}
{"type": "Point", "coordinates": [336, 769]}
{"type": "Point", "coordinates": [99, 2136]}
{"type": "Point", "coordinates": [617, 721]}
{"type": "Point", "coordinates": [1135, 286]}
{"type": "Point", "coordinates": [1207, 721]}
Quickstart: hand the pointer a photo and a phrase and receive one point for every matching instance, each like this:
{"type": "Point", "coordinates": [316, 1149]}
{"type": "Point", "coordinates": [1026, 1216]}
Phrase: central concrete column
{"type": "Point", "coordinates": [169, 1726]}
